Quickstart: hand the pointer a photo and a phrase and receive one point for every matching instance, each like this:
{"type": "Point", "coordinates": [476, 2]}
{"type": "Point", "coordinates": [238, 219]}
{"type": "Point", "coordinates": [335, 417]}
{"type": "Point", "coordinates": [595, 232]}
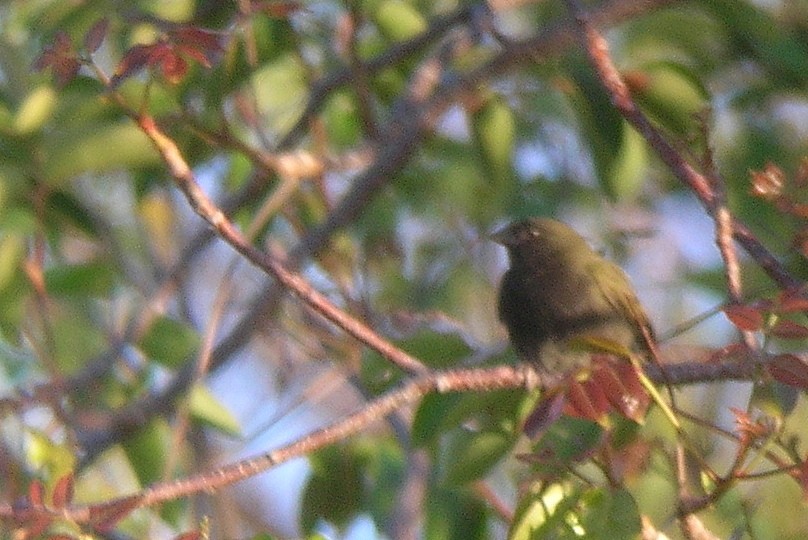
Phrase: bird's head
{"type": "Point", "coordinates": [539, 235]}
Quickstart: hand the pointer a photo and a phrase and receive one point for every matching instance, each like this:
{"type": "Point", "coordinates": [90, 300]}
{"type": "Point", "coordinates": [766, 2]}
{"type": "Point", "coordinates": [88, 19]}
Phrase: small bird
{"type": "Point", "coordinates": [559, 297]}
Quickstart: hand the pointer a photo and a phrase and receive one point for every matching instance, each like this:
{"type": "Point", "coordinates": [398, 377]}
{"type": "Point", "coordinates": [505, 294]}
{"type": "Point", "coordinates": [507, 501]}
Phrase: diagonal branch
{"type": "Point", "coordinates": [598, 52]}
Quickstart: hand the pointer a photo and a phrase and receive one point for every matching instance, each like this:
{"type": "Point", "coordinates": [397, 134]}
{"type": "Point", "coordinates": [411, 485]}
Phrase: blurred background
{"type": "Point", "coordinates": [373, 146]}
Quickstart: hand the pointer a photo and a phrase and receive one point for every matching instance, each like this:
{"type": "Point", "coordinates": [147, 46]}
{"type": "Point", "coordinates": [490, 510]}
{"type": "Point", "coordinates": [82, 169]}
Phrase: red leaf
{"type": "Point", "coordinates": [192, 535]}
{"type": "Point", "coordinates": [792, 301]}
{"type": "Point", "coordinates": [63, 491]}
{"type": "Point", "coordinates": [173, 68]}
{"type": "Point", "coordinates": [789, 330]}
{"type": "Point", "coordinates": [580, 403]}
{"type": "Point", "coordinates": [800, 474]}
{"type": "Point", "coordinates": [632, 405]}
{"type": "Point", "coordinates": [195, 54]}
{"type": "Point", "coordinates": [61, 58]}
{"type": "Point", "coordinates": [745, 317]}
{"type": "Point", "coordinates": [598, 398]}
{"type": "Point", "coordinates": [207, 45]}
{"type": "Point", "coordinates": [36, 493]}
{"type": "Point", "coordinates": [95, 35]}
{"type": "Point", "coordinates": [547, 411]}
{"type": "Point", "coordinates": [789, 369]}
{"type": "Point", "coordinates": [278, 9]}
{"type": "Point", "coordinates": [799, 210]}
{"type": "Point", "coordinates": [104, 517]}
{"type": "Point", "coordinates": [133, 61]}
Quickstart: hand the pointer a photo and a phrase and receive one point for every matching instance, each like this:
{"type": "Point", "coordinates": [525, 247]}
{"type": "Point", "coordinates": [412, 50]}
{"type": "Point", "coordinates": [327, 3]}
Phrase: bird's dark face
{"type": "Point", "coordinates": [537, 235]}
{"type": "Point", "coordinates": [516, 234]}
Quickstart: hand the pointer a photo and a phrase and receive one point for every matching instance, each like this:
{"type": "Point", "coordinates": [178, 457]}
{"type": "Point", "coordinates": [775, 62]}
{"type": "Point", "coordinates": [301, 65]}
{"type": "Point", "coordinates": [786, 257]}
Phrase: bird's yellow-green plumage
{"type": "Point", "coordinates": [558, 293]}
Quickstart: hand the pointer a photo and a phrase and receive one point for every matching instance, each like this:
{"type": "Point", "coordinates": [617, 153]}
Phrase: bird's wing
{"type": "Point", "coordinates": [619, 293]}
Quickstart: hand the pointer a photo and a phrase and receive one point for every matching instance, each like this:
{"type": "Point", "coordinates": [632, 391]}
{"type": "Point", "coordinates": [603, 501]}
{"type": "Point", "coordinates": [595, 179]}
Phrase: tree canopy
{"type": "Point", "coordinates": [247, 286]}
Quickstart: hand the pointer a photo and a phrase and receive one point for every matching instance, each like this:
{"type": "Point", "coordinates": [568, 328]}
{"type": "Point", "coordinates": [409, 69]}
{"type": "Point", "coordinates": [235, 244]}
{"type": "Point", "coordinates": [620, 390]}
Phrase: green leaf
{"type": "Point", "coordinates": [671, 94]}
{"type": "Point", "coordinates": [35, 110]}
{"type": "Point", "coordinates": [779, 52]}
{"type": "Point", "coordinates": [281, 89]}
{"type": "Point", "coordinates": [95, 278]}
{"type": "Point", "coordinates": [556, 512]}
{"type": "Point", "coordinates": [627, 170]}
{"type": "Point", "coordinates": [398, 20]}
{"type": "Point", "coordinates": [437, 350]}
{"type": "Point", "coordinates": [51, 460]}
{"type": "Point", "coordinates": [471, 455]}
{"type": "Point", "coordinates": [12, 250]}
{"type": "Point", "coordinates": [545, 512]}
{"type": "Point", "coordinates": [77, 338]}
{"type": "Point", "coordinates": [335, 489]}
{"type": "Point", "coordinates": [567, 441]}
{"type": "Point", "coordinates": [147, 449]}
{"type": "Point", "coordinates": [454, 514]}
{"type": "Point", "coordinates": [65, 207]}
{"type": "Point", "coordinates": [169, 342]}
{"type": "Point", "coordinates": [610, 514]}
{"type": "Point", "coordinates": [342, 121]}
{"type": "Point", "coordinates": [431, 417]}
{"type": "Point", "coordinates": [96, 148]}
{"type": "Point", "coordinates": [207, 408]}
{"type": "Point", "coordinates": [494, 129]}
{"type": "Point", "coordinates": [618, 151]}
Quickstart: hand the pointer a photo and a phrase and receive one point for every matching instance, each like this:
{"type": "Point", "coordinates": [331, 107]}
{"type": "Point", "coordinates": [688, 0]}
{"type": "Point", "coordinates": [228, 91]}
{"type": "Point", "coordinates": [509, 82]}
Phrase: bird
{"type": "Point", "coordinates": [560, 299]}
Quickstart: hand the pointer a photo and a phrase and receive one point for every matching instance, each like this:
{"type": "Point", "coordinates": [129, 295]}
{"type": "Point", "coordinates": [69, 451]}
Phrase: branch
{"type": "Point", "coordinates": [477, 379]}
{"type": "Point", "coordinates": [598, 52]}
{"type": "Point", "coordinates": [401, 138]}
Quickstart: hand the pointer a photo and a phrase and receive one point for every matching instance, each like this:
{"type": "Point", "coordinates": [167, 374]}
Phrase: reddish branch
{"type": "Point", "coordinates": [451, 381]}
{"type": "Point", "coordinates": [598, 51]}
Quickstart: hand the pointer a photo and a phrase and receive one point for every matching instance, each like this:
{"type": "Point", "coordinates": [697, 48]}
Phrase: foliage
{"type": "Point", "coordinates": [358, 154]}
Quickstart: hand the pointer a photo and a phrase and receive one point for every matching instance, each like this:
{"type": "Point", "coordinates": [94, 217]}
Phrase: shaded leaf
{"type": "Point", "coordinates": [792, 301]}
{"type": "Point", "coordinates": [169, 341]}
{"type": "Point", "coordinates": [431, 417]}
{"type": "Point", "coordinates": [60, 58]}
{"type": "Point", "coordinates": [568, 440]}
{"type": "Point", "coordinates": [610, 513]}
{"type": "Point", "coordinates": [548, 410]}
{"type": "Point", "coordinates": [105, 517]}
{"type": "Point", "coordinates": [789, 369]}
{"type": "Point", "coordinates": [335, 490]}
{"type": "Point", "coordinates": [95, 35]}
{"type": "Point", "coordinates": [95, 278]}
{"type": "Point", "coordinates": [135, 59]}
{"type": "Point", "coordinates": [471, 455]}
{"type": "Point", "coordinates": [789, 330]}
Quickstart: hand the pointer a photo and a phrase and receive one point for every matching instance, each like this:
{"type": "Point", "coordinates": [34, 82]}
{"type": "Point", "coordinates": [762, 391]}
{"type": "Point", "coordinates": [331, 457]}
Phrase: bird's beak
{"type": "Point", "coordinates": [500, 236]}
